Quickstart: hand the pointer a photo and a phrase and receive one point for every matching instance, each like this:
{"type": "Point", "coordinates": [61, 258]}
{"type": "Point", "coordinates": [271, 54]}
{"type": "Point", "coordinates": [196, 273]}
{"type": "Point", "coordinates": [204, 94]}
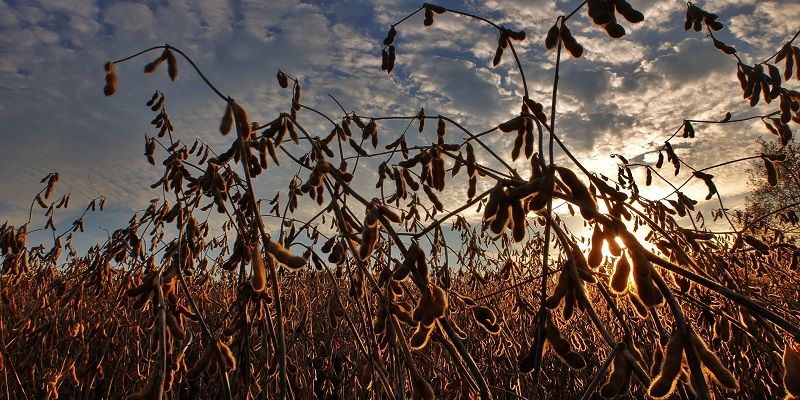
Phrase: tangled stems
{"type": "Point", "coordinates": [371, 266]}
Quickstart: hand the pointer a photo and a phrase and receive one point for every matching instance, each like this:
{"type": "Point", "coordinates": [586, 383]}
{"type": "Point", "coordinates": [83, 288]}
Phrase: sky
{"type": "Point", "coordinates": [623, 96]}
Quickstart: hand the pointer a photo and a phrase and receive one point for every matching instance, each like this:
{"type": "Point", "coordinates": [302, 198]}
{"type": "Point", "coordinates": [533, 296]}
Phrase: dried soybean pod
{"type": "Point", "coordinates": [201, 364]}
{"type": "Point", "coordinates": [542, 197]}
{"type": "Point", "coordinates": [283, 256]}
{"type": "Point", "coordinates": [515, 35]}
{"type": "Point", "coordinates": [796, 53]}
{"type": "Point", "coordinates": [578, 190]}
{"type": "Point", "coordinates": [389, 214]}
{"type": "Point", "coordinates": [227, 120]}
{"type": "Point", "coordinates": [618, 380]}
{"type": "Point", "coordinates": [456, 165]}
{"type": "Point", "coordinates": [433, 198]}
{"type": "Point", "coordinates": [441, 128]}
{"type": "Point", "coordinates": [502, 217]}
{"type": "Point", "coordinates": [772, 173]}
{"type": "Point", "coordinates": [622, 270]}
{"type": "Point", "coordinates": [613, 246]}
{"type": "Point", "coordinates": [642, 274]}
{"type": "Point", "coordinates": [402, 313]}
{"type": "Point", "coordinates": [174, 326]}
{"type": "Point", "coordinates": [640, 308]}
{"type": "Point", "coordinates": [600, 11]}
{"type": "Point", "coordinates": [562, 346]}
{"type": "Point", "coordinates": [484, 314]}
{"type": "Point", "coordinates": [791, 368]}
{"type": "Point", "coordinates": [574, 360]}
{"type": "Point", "coordinates": [402, 271]}
{"type": "Point", "coordinates": [595, 256]}
{"type": "Point", "coordinates": [73, 375]}
{"type": "Point", "coordinates": [226, 355]}
{"type": "Point", "coordinates": [564, 284]}
{"type": "Point", "coordinates": [369, 237]}
{"type": "Point", "coordinates": [723, 375]}
{"type": "Point", "coordinates": [472, 187]}
{"type": "Point", "coordinates": [337, 253]}
{"type": "Point", "coordinates": [786, 50]}
{"type": "Point", "coordinates": [421, 336]}
{"type": "Point", "coordinates": [523, 191]}
{"type": "Point", "coordinates": [272, 154]}
{"type": "Point", "coordinates": [172, 65]}
{"type": "Point", "coordinates": [552, 37]}
{"type": "Point", "coordinates": [145, 287]}
{"type": "Point", "coordinates": [438, 304]}
{"type": "Point", "coordinates": [518, 143]}
{"type": "Point", "coordinates": [470, 160]}
{"type": "Point", "coordinates": [360, 150]}
{"type": "Point", "coordinates": [259, 279]}
{"type": "Point", "coordinates": [390, 36]}
{"type": "Point", "coordinates": [518, 218]}
{"type": "Point", "coordinates": [421, 119]}
{"type": "Point", "coordinates": [493, 203]}
{"type": "Point", "coordinates": [581, 265]}
{"type": "Point", "coordinates": [436, 9]}
{"type": "Point", "coordinates": [575, 49]}
{"type": "Point", "coordinates": [513, 124]}
{"type": "Point", "coordinates": [438, 172]}
{"type": "Point", "coordinates": [421, 389]}
{"type": "Point", "coordinates": [243, 127]}
{"type": "Point", "coordinates": [723, 47]}
{"type": "Point", "coordinates": [757, 244]}
{"type": "Point", "coordinates": [569, 305]}
{"type": "Point", "coordinates": [527, 361]}
{"type": "Point", "coordinates": [428, 17]}
{"type": "Point", "coordinates": [391, 57]}
{"type": "Point", "coordinates": [614, 30]}
{"type": "Point", "coordinates": [283, 80]}
{"type": "Point", "coordinates": [151, 67]}
{"type": "Point", "coordinates": [664, 384]}
{"type": "Point", "coordinates": [572, 45]}
{"type": "Point", "coordinates": [111, 79]}
{"type": "Point", "coordinates": [722, 328]}
{"type": "Point", "coordinates": [658, 358]}
{"type": "Point", "coordinates": [421, 313]}
{"type": "Point", "coordinates": [627, 11]}
{"type": "Point", "coordinates": [497, 56]}
{"type": "Point", "coordinates": [529, 139]}
{"type": "Point", "coordinates": [408, 179]}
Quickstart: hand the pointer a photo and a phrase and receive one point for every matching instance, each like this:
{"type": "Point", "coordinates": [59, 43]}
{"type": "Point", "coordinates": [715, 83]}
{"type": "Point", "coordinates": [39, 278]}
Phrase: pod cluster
{"type": "Point", "coordinates": [671, 361]}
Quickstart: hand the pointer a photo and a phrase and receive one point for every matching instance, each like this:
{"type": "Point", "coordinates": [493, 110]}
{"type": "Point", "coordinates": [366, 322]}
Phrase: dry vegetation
{"type": "Point", "coordinates": [373, 297]}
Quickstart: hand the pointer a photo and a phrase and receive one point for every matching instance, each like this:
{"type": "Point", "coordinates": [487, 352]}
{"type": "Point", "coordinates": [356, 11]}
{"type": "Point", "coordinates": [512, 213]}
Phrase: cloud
{"type": "Point", "coordinates": [602, 50]}
{"type": "Point", "coordinates": [688, 61]}
{"type": "Point", "coordinates": [585, 130]}
{"type": "Point", "coordinates": [586, 86]}
{"type": "Point", "coordinates": [624, 96]}
{"type": "Point", "coordinates": [767, 25]}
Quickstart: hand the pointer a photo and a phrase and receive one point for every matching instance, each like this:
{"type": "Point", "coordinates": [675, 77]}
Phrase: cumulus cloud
{"type": "Point", "coordinates": [767, 24]}
{"type": "Point", "coordinates": [688, 61]}
{"type": "Point", "coordinates": [624, 96]}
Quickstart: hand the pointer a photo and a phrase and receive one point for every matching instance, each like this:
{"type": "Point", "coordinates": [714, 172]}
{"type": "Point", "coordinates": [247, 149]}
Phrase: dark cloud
{"type": "Point", "coordinates": [584, 129]}
{"type": "Point", "coordinates": [689, 61]}
{"type": "Point", "coordinates": [585, 86]}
